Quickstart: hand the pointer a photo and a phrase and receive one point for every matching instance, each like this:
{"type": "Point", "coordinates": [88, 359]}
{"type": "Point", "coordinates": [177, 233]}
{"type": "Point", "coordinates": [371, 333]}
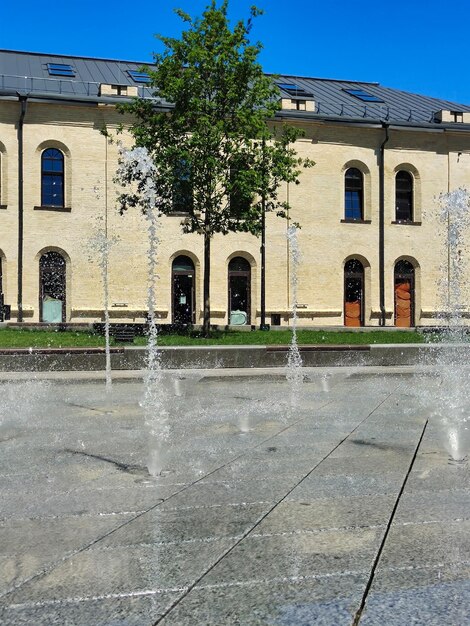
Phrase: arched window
{"type": "Point", "coordinates": [239, 291]}
{"type": "Point", "coordinates": [354, 293]}
{"type": "Point", "coordinates": [52, 296]}
{"type": "Point", "coordinates": [404, 196]}
{"type": "Point", "coordinates": [52, 178]}
{"type": "Point", "coordinates": [353, 194]}
{"type": "Point", "coordinates": [404, 281]}
{"type": "Point", "coordinates": [183, 291]}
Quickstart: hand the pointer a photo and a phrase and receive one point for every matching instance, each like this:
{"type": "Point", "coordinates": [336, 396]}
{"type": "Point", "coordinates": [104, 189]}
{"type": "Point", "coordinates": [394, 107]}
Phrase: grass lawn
{"type": "Point", "coordinates": [22, 338]}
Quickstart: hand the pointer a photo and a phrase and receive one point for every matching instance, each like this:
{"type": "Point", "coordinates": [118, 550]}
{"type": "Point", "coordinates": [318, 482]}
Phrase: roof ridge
{"type": "Point", "coordinates": [74, 56]}
{"type": "Point", "coordinates": [331, 80]}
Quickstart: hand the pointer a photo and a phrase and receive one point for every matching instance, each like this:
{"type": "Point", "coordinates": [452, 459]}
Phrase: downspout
{"type": "Point", "coordinates": [23, 103]}
{"type": "Point", "coordinates": [382, 225]}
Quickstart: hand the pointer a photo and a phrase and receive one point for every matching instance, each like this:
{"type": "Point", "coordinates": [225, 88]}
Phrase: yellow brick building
{"type": "Point", "coordinates": [373, 241]}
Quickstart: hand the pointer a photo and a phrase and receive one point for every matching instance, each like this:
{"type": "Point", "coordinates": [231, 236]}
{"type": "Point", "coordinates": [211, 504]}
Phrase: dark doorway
{"type": "Point", "coordinates": [52, 298]}
{"type": "Point", "coordinates": [183, 289]}
{"type": "Point", "coordinates": [404, 289]}
{"type": "Point", "coordinates": [2, 313]}
{"type": "Point", "coordinates": [239, 291]}
{"type": "Point", "coordinates": [353, 293]}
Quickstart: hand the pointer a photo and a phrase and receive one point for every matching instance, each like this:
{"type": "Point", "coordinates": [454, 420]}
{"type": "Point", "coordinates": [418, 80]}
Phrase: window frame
{"type": "Point", "coordinates": [46, 175]}
{"type": "Point", "coordinates": [354, 270]}
{"type": "Point", "coordinates": [182, 190]}
{"type": "Point", "coordinates": [404, 196]}
{"type": "Point", "coordinates": [239, 273]}
{"type": "Point", "coordinates": [359, 195]}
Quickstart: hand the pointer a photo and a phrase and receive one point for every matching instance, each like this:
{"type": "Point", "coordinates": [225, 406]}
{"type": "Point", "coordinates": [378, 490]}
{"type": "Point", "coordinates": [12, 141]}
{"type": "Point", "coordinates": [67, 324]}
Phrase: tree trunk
{"type": "Point", "coordinates": [206, 288]}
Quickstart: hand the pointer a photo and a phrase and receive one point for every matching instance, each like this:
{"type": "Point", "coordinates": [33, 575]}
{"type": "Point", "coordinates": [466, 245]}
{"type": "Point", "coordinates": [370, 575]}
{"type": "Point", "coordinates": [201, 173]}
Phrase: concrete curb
{"type": "Point", "coordinates": [209, 357]}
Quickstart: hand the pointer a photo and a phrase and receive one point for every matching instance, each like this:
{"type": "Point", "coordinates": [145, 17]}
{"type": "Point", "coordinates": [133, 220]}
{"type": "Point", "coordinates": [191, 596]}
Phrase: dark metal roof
{"type": "Point", "coordinates": [27, 73]}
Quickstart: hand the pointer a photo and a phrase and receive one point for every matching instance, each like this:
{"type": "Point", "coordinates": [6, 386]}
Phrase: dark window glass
{"type": "Point", "coordinates": [363, 95]}
{"type": "Point", "coordinates": [239, 291]}
{"type": "Point", "coordinates": [60, 69]}
{"type": "Point", "coordinates": [404, 196]}
{"type": "Point", "coordinates": [182, 188]}
{"type": "Point", "coordinates": [240, 200]}
{"type": "Point", "coordinates": [139, 77]}
{"type": "Point", "coordinates": [239, 264]}
{"type": "Point", "coordinates": [353, 194]}
{"type": "Point", "coordinates": [183, 281]}
{"type": "Point", "coordinates": [183, 264]}
{"type": "Point", "coordinates": [52, 178]}
{"type": "Point", "coordinates": [293, 89]}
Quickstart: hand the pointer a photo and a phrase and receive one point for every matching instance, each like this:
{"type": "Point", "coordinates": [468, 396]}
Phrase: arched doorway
{"type": "Point", "coordinates": [404, 279]}
{"type": "Point", "coordinates": [2, 312]}
{"type": "Point", "coordinates": [353, 293]}
{"type": "Point", "coordinates": [183, 290]}
{"type": "Point", "coordinates": [52, 293]}
{"type": "Point", "coordinates": [239, 291]}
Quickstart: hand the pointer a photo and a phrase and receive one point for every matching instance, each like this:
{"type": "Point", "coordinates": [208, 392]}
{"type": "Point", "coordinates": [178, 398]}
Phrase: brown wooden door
{"type": "Point", "coordinates": [403, 309]}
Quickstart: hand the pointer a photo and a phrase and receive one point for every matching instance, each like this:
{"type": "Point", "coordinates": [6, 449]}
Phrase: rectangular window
{"type": "Point", "coordinates": [60, 69]}
{"type": "Point", "coordinates": [139, 77]}
{"type": "Point", "coordinates": [294, 90]}
{"type": "Point", "coordinates": [353, 204]}
{"type": "Point", "coordinates": [182, 189]}
{"type": "Point", "coordinates": [363, 95]}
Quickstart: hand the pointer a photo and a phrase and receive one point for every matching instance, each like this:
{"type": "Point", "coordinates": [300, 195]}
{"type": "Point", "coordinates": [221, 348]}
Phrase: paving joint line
{"type": "Point", "coordinates": [359, 612]}
{"type": "Point", "coordinates": [263, 517]}
{"type": "Point", "coordinates": [50, 568]}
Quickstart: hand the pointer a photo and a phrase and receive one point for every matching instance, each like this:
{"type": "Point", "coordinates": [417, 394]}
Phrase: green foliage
{"type": "Point", "coordinates": [219, 156]}
{"type": "Point", "coordinates": [207, 127]}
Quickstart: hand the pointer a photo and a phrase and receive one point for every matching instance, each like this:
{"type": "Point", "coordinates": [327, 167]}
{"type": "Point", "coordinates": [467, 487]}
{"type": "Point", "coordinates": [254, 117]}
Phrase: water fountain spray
{"type": "Point", "coordinates": [137, 168]}
{"type": "Point", "coordinates": [294, 359]}
{"type": "Point", "coordinates": [453, 401]}
{"type": "Point", "coordinates": [99, 246]}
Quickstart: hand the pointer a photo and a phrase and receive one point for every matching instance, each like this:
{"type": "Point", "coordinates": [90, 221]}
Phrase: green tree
{"type": "Point", "coordinates": [218, 156]}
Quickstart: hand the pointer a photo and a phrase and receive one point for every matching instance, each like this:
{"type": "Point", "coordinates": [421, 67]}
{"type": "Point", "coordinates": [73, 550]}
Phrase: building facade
{"type": "Point", "coordinates": [372, 239]}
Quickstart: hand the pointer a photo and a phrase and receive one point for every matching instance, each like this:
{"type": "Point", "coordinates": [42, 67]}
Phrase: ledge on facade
{"type": "Point", "coordinates": [117, 313]}
{"type": "Point", "coordinates": [406, 223]}
{"type": "Point", "coordinates": [27, 312]}
{"type": "Point", "coordinates": [443, 316]}
{"type": "Point", "coordinates": [63, 209]}
{"type": "Point", "coordinates": [377, 314]}
{"type": "Point", "coordinates": [303, 312]}
{"type": "Point", "coordinates": [215, 313]}
{"type": "Point", "coordinates": [353, 221]}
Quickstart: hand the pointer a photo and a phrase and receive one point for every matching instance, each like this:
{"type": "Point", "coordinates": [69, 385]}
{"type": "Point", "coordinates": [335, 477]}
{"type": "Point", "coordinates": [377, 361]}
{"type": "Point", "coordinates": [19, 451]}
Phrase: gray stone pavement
{"type": "Point", "coordinates": [337, 506]}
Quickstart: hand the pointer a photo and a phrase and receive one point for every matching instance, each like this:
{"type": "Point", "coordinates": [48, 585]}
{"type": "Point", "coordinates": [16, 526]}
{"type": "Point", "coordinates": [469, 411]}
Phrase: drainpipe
{"type": "Point", "coordinates": [263, 325]}
{"type": "Point", "coordinates": [385, 126]}
{"type": "Point", "coordinates": [23, 103]}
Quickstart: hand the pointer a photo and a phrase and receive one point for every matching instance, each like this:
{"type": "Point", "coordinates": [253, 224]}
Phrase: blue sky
{"type": "Point", "coordinates": [415, 45]}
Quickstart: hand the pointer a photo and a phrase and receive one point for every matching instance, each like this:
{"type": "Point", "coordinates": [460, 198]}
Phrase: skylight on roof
{"type": "Point", "coordinates": [294, 90]}
{"type": "Point", "coordinates": [139, 77]}
{"type": "Point", "coordinates": [363, 95]}
{"type": "Point", "coordinates": [60, 69]}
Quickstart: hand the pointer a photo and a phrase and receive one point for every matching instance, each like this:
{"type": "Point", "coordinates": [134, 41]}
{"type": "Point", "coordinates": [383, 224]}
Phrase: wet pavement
{"type": "Point", "coordinates": [337, 506]}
